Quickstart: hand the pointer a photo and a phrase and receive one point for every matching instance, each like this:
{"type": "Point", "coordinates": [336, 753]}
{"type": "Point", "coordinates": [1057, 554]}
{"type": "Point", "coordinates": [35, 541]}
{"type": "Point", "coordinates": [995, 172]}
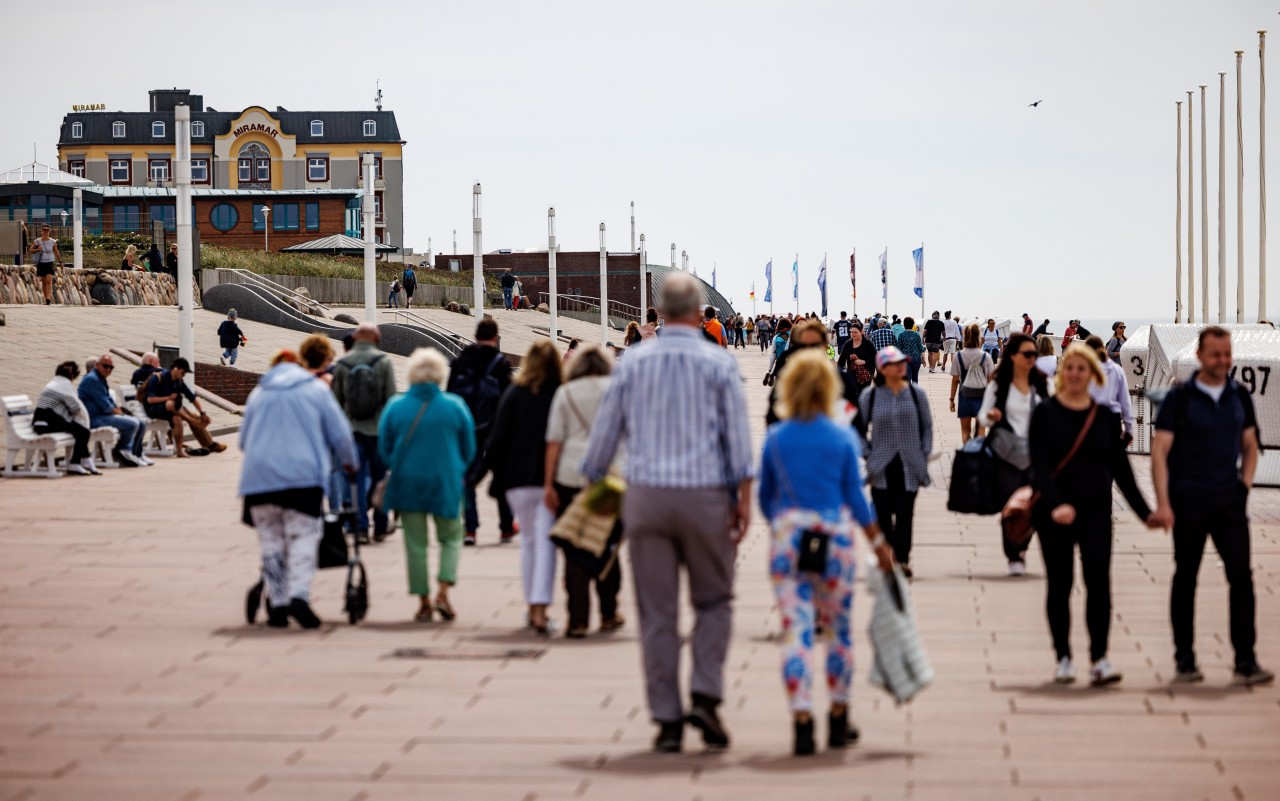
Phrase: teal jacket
{"type": "Point", "coordinates": [427, 471]}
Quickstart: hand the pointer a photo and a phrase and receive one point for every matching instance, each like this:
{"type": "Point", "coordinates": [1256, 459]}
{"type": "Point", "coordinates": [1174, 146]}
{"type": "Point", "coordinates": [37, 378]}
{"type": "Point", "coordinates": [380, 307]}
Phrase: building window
{"type": "Point", "coordinates": [199, 171]}
{"type": "Point", "coordinates": [117, 130]}
{"type": "Point", "coordinates": [377, 209]}
{"type": "Point", "coordinates": [254, 165]}
{"type": "Point", "coordinates": [377, 170]}
{"type": "Point", "coordinates": [76, 168]}
{"type": "Point", "coordinates": [313, 216]}
{"type": "Point", "coordinates": [259, 219]}
{"type": "Point", "coordinates": [158, 170]}
{"type": "Point", "coordinates": [121, 171]}
{"type": "Point", "coordinates": [317, 169]}
{"type": "Point", "coordinates": [370, 128]}
{"type": "Point", "coordinates": [224, 217]}
{"type": "Point", "coordinates": [197, 129]}
{"type": "Point", "coordinates": [126, 218]}
{"type": "Point", "coordinates": [166, 215]}
{"type": "Point", "coordinates": [317, 127]}
{"type": "Point", "coordinates": [286, 217]}
{"type": "Point", "coordinates": [157, 130]}
{"type": "Point", "coordinates": [77, 130]}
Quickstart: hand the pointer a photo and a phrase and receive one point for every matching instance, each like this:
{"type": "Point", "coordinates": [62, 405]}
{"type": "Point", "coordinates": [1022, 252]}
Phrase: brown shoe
{"type": "Point", "coordinates": [612, 624]}
{"type": "Point", "coordinates": [217, 447]}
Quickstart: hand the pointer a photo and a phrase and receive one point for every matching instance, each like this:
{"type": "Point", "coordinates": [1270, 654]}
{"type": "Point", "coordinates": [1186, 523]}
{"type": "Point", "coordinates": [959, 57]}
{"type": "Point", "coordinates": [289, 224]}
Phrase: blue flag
{"type": "Point", "coordinates": [713, 275]}
{"type": "Point", "coordinates": [918, 255]}
{"type": "Point", "coordinates": [822, 284]}
{"type": "Point", "coordinates": [795, 279]}
{"type": "Point", "coordinates": [768, 282]}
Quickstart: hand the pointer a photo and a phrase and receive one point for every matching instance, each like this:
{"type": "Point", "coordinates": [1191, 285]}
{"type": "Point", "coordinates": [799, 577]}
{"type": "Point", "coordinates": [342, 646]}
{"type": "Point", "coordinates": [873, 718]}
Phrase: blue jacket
{"type": "Point", "coordinates": [813, 464]}
{"type": "Point", "coordinates": [427, 471]}
{"type": "Point", "coordinates": [95, 395]}
{"type": "Point", "coordinates": [293, 430]}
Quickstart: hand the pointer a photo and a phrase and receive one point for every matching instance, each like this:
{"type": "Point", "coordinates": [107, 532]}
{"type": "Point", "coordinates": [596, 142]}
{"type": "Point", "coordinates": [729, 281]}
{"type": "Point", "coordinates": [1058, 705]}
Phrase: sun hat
{"type": "Point", "coordinates": [889, 355]}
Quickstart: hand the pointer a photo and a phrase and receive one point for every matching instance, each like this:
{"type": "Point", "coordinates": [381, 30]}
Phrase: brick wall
{"type": "Point", "coordinates": [230, 383]}
{"type": "Point", "coordinates": [332, 220]}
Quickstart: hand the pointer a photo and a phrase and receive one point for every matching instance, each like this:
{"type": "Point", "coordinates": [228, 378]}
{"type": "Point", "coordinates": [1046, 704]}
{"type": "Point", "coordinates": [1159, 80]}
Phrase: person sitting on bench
{"type": "Point", "coordinates": [162, 396]}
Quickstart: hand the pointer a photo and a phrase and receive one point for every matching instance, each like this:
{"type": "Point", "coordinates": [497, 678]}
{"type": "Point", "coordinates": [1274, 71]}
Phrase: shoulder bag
{"type": "Point", "coordinates": [379, 495]}
{"type": "Point", "coordinates": [815, 545]}
{"type": "Point", "coordinates": [1015, 519]}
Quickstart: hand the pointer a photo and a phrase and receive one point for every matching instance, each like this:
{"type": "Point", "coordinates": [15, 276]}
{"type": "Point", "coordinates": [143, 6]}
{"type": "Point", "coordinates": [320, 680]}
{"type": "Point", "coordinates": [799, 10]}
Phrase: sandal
{"type": "Point", "coordinates": [424, 614]}
{"type": "Point", "coordinates": [445, 609]}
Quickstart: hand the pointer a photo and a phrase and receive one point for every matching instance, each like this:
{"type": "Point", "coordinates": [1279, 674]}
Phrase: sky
{"type": "Point", "coordinates": [745, 131]}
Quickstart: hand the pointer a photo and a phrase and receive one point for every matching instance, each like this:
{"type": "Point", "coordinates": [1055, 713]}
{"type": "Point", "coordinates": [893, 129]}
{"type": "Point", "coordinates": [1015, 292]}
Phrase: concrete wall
{"type": "Point", "coordinates": [342, 291]}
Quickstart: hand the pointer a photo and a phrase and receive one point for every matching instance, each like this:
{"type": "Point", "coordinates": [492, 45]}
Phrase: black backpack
{"type": "Point", "coordinates": [481, 391]}
{"type": "Point", "coordinates": [364, 395]}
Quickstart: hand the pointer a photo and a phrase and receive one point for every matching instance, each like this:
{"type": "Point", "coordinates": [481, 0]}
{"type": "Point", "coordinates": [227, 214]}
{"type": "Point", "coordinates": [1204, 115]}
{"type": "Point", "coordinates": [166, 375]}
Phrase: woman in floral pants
{"type": "Point", "coordinates": [811, 491]}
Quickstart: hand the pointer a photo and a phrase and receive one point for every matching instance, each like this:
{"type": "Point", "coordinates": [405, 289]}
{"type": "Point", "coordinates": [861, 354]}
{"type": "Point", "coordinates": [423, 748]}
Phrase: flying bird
{"type": "Point", "coordinates": [1033, 105]}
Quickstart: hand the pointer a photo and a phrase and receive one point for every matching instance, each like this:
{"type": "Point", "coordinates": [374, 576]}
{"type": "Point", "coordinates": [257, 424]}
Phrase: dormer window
{"type": "Point", "coordinates": [197, 129]}
{"type": "Point", "coordinates": [157, 130]}
{"type": "Point", "coordinates": [370, 128]}
{"type": "Point", "coordinates": [117, 130]}
{"type": "Point", "coordinates": [77, 130]}
{"type": "Point", "coordinates": [317, 127]}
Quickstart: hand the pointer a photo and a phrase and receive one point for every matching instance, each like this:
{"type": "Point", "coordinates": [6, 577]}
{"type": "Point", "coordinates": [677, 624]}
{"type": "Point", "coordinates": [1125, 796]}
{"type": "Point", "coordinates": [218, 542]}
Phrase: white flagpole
{"type": "Point", "coordinates": [182, 214]}
{"type": "Point", "coordinates": [1239, 192]}
{"type": "Point", "coordinates": [370, 246]}
{"type": "Point", "coordinates": [604, 290]}
{"type": "Point", "coordinates": [1191, 213]}
{"type": "Point", "coordinates": [477, 248]}
{"type": "Point", "coordinates": [1204, 214]}
{"type": "Point", "coordinates": [644, 280]}
{"type": "Point", "coordinates": [1177, 305]}
{"type": "Point", "coordinates": [1222, 197]}
{"type": "Point", "coordinates": [1262, 176]}
{"type": "Point", "coordinates": [552, 295]}
{"type": "Point", "coordinates": [633, 226]}
{"type": "Point", "coordinates": [795, 282]}
{"type": "Point", "coordinates": [886, 281]}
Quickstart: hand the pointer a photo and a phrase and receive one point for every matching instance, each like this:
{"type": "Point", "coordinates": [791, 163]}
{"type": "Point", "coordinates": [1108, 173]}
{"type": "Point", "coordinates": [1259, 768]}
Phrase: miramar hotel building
{"type": "Point", "coordinates": [304, 166]}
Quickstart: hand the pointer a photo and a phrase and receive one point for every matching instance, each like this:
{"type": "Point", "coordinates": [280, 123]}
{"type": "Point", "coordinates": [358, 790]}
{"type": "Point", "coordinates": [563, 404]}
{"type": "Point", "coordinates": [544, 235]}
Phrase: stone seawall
{"type": "Point", "coordinates": [90, 287]}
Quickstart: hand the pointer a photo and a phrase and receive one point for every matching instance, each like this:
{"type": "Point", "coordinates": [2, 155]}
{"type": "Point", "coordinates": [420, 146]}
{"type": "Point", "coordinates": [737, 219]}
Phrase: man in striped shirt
{"type": "Point", "coordinates": [678, 401]}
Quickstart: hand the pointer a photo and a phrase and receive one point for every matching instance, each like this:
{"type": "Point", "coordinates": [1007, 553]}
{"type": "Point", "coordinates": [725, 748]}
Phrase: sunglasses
{"type": "Point", "coordinates": [107, 366]}
{"type": "Point", "coordinates": [1029, 354]}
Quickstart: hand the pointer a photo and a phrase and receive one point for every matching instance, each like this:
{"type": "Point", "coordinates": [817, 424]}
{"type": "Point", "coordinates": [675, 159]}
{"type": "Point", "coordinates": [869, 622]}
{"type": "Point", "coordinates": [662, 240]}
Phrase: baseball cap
{"type": "Point", "coordinates": [889, 355]}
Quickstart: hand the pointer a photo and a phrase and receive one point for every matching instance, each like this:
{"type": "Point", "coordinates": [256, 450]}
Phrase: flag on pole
{"type": "Point", "coordinates": [752, 297]}
{"type": "Point", "coordinates": [822, 284]}
{"type": "Point", "coordinates": [853, 272]}
{"type": "Point", "coordinates": [795, 280]}
{"type": "Point", "coordinates": [918, 255]}
{"type": "Point", "coordinates": [884, 274]}
{"type": "Point", "coordinates": [713, 275]}
{"type": "Point", "coordinates": [768, 282]}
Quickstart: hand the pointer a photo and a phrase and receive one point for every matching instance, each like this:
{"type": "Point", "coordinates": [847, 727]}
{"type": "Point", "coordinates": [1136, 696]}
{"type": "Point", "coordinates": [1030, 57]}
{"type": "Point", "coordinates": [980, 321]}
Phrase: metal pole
{"type": "Point", "coordinates": [77, 228]}
{"type": "Point", "coordinates": [455, 240]}
{"type": "Point", "coordinates": [1239, 193]}
{"type": "Point", "coordinates": [370, 276]}
{"type": "Point", "coordinates": [1204, 214]}
{"type": "Point", "coordinates": [604, 290]}
{"type": "Point", "coordinates": [1222, 197]}
{"type": "Point", "coordinates": [430, 263]}
{"type": "Point", "coordinates": [1262, 176]}
{"type": "Point", "coordinates": [684, 260]}
{"type": "Point", "coordinates": [644, 278]}
{"type": "Point", "coordinates": [633, 226]}
{"type": "Point", "coordinates": [1191, 213]}
{"type": "Point", "coordinates": [182, 217]}
{"type": "Point", "coordinates": [1177, 304]}
{"type": "Point", "coordinates": [673, 256]}
{"type": "Point", "coordinates": [477, 259]}
{"type": "Point", "coordinates": [266, 229]}
{"type": "Point", "coordinates": [551, 272]}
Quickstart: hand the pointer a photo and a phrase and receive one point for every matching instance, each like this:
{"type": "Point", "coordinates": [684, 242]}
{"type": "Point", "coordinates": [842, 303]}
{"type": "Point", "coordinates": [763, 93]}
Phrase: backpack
{"type": "Point", "coordinates": [395, 285]}
{"type": "Point", "coordinates": [364, 395]}
{"type": "Point", "coordinates": [480, 391]}
{"type": "Point", "coordinates": [410, 280]}
{"type": "Point", "coordinates": [974, 383]}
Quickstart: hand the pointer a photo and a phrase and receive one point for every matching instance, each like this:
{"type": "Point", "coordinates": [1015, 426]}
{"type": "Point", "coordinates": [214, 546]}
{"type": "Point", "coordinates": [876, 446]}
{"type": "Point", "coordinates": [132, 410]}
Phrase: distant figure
{"type": "Point", "coordinates": [47, 259]}
{"type": "Point", "coordinates": [650, 326]}
{"type": "Point", "coordinates": [409, 279]}
{"type": "Point", "coordinates": [171, 262]}
{"type": "Point", "coordinates": [393, 296]}
{"type": "Point", "coordinates": [230, 338]}
{"type": "Point", "coordinates": [508, 288]}
{"type": "Point", "coordinates": [130, 260]}
{"type": "Point", "coordinates": [155, 261]}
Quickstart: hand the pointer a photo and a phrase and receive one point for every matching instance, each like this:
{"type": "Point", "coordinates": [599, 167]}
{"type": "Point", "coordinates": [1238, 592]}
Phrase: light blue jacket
{"type": "Point", "coordinates": [293, 430]}
{"type": "Point", "coordinates": [427, 470]}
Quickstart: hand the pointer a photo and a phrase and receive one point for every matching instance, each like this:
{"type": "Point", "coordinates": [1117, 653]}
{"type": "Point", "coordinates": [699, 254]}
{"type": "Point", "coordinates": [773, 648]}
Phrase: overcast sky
{"type": "Point", "coordinates": [742, 130]}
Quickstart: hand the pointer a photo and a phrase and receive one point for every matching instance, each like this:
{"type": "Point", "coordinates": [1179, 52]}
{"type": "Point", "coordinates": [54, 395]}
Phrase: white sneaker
{"type": "Point", "coordinates": [222, 360]}
{"type": "Point", "coordinates": [1066, 672]}
{"type": "Point", "coordinates": [88, 464]}
{"type": "Point", "coordinates": [130, 458]}
{"type": "Point", "coordinates": [1103, 673]}
{"type": "Point", "coordinates": [1017, 568]}
{"type": "Point", "coordinates": [144, 461]}
{"type": "Point", "coordinates": [77, 470]}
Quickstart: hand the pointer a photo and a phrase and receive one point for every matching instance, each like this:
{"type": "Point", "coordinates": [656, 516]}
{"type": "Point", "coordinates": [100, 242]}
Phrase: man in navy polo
{"type": "Point", "coordinates": [1203, 461]}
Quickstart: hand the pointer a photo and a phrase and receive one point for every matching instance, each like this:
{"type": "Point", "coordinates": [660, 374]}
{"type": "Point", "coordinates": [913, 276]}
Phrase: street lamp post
{"type": "Point", "coordinates": [644, 280]}
{"type": "Point", "coordinates": [370, 242]}
{"type": "Point", "coordinates": [604, 290]}
{"type": "Point", "coordinates": [553, 332]}
{"type": "Point", "coordinates": [266, 230]}
{"type": "Point", "coordinates": [477, 264]}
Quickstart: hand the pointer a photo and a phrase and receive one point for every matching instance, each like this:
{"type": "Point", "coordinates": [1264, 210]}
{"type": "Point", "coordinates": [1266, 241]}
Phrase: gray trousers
{"type": "Point", "coordinates": [667, 528]}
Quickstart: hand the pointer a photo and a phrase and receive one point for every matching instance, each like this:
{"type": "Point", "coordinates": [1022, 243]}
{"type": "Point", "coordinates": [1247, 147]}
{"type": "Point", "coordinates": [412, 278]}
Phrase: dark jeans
{"type": "Point", "coordinates": [1224, 518]}
{"type": "Point", "coordinates": [1092, 533]}
{"type": "Point", "coordinates": [578, 578]}
{"type": "Point", "coordinates": [913, 368]}
{"type": "Point", "coordinates": [371, 472]}
{"type": "Point", "coordinates": [895, 510]}
{"type": "Point", "coordinates": [471, 514]}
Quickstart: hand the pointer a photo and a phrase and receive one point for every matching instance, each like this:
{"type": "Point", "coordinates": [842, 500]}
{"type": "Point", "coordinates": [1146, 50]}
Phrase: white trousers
{"type": "Point", "coordinates": [537, 554]}
{"type": "Point", "coordinates": [290, 541]}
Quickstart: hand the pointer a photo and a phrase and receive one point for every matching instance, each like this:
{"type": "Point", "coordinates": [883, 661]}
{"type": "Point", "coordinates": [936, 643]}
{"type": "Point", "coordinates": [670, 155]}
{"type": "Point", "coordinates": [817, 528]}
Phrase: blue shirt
{"type": "Point", "coordinates": [813, 464]}
{"type": "Point", "coordinates": [95, 395]}
{"type": "Point", "coordinates": [678, 401]}
{"type": "Point", "coordinates": [883, 338]}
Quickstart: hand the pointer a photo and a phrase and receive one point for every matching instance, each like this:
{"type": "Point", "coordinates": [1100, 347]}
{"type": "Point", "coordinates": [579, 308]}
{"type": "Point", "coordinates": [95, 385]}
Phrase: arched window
{"type": "Point", "coordinates": [77, 130]}
{"type": "Point", "coordinates": [370, 128]}
{"type": "Point", "coordinates": [117, 130]}
{"type": "Point", "coordinates": [317, 127]}
{"type": "Point", "coordinates": [197, 129]}
{"type": "Point", "coordinates": [157, 130]}
{"type": "Point", "coordinates": [254, 167]}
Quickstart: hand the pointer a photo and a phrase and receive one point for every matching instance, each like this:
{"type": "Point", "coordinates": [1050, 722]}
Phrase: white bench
{"type": "Point", "coordinates": [157, 435]}
{"type": "Point", "coordinates": [38, 455]}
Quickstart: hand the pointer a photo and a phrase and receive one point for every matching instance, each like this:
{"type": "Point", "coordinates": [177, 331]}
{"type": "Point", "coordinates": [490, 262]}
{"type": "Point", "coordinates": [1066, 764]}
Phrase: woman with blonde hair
{"type": "Point", "coordinates": [516, 453]}
{"type": "Point", "coordinates": [1076, 454]}
{"type": "Point", "coordinates": [811, 494]}
{"type": "Point", "coordinates": [427, 438]}
{"type": "Point", "coordinates": [971, 369]}
{"type": "Point", "coordinates": [130, 260]}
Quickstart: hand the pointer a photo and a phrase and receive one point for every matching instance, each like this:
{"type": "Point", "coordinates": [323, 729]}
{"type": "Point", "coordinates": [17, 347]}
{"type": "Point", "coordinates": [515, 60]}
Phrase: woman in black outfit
{"type": "Point", "coordinates": [1074, 507]}
{"type": "Point", "coordinates": [858, 349]}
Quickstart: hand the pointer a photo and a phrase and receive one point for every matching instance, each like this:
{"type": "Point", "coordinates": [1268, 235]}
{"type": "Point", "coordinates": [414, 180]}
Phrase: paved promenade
{"type": "Point", "coordinates": [127, 672]}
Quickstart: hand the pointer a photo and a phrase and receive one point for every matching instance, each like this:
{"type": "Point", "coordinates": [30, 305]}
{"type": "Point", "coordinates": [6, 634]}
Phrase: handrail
{"type": "Point", "coordinates": [253, 279]}
{"type": "Point", "coordinates": [588, 302]}
{"type": "Point", "coordinates": [416, 319]}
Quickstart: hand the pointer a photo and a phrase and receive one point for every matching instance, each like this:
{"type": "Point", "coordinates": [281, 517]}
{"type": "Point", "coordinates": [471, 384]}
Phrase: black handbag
{"type": "Point", "coordinates": [333, 544]}
{"type": "Point", "coordinates": [973, 482]}
{"type": "Point", "coordinates": [814, 547]}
